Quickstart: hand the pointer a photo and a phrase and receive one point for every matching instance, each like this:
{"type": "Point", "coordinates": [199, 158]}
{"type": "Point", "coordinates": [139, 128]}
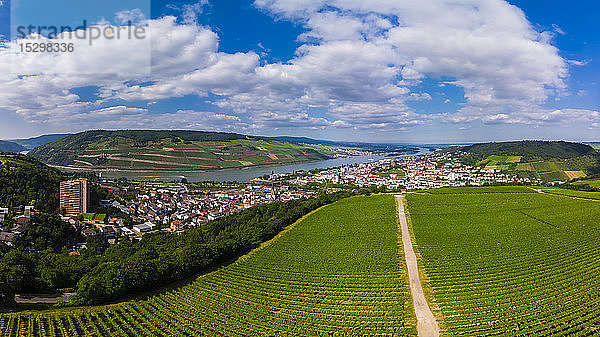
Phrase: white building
{"type": "Point", "coordinates": [144, 228]}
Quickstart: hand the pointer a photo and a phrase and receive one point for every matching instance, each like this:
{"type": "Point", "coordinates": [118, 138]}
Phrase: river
{"type": "Point", "coordinates": [245, 174]}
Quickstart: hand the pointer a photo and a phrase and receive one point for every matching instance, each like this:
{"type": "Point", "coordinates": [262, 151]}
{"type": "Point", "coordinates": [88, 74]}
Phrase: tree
{"type": "Point", "coordinates": [45, 231]}
{"type": "Point", "coordinates": [96, 244]}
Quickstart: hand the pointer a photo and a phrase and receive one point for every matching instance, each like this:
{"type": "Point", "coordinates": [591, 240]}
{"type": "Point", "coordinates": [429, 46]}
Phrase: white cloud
{"type": "Point", "coordinates": [487, 45]}
{"type": "Point", "coordinates": [360, 66]}
{"type": "Point", "coordinates": [578, 63]}
{"type": "Point", "coordinates": [134, 16]}
{"type": "Point", "coordinates": [191, 11]}
{"type": "Point", "coordinates": [536, 117]}
{"type": "Point", "coordinates": [118, 111]}
{"type": "Point", "coordinates": [558, 30]}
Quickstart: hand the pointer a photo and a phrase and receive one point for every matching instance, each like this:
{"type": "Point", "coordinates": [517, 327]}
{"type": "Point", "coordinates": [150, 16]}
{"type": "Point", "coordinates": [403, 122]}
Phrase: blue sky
{"type": "Point", "coordinates": [389, 71]}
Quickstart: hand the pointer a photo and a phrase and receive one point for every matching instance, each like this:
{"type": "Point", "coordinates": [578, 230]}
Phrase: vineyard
{"type": "Point", "coordinates": [510, 264]}
{"type": "Point", "coordinates": [573, 193]}
{"type": "Point", "coordinates": [337, 271]}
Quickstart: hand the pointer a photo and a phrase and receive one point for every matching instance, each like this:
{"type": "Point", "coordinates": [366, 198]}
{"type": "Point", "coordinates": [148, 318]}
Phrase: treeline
{"type": "Point", "coordinates": [25, 181]}
{"type": "Point", "coordinates": [580, 187]}
{"type": "Point", "coordinates": [106, 272]}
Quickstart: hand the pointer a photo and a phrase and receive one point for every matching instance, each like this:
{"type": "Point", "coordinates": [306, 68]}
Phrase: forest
{"type": "Point", "coordinates": [25, 181]}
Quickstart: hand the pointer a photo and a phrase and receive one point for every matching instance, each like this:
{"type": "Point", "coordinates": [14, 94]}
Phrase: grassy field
{"type": "Point", "coordinates": [92, 216]}
{"type": "Point", "coordinates": [337, 272]}
{"type": "Point", "coordinates": [575, 174]}
{"type": "Point", "coordinates": [479, 190]}
{"type": "Point", "coordinates": [592, 182]}
{"type": "Point", "coordinates": [495, 160]}
{"type": "Point", "coordinates": [572, 193]}
{"type": "Point", "coordinates": [510, 264]}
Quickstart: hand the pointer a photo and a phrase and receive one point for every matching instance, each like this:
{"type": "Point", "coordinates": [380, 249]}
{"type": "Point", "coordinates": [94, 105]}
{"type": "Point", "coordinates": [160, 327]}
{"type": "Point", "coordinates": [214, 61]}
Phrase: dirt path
{"type": "Point", "coordinates": [540, 191]}
{"type": "Point", "coordinates": [426, 323]}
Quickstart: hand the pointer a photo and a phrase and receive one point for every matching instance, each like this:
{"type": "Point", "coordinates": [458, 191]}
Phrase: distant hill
{"type": "Point", "coordinates": [374, 147]}
{"type": "Point", "coordinates": [32, 143]}
{"type": "Point", "coordinates": [173, 150]}
{"type": "Point", "coordinates": [26, 181]}
{"type": "Point", "coordinates": [6, 146]}
{"type": "Point", "coordinates": [595, 145]}
{"type": "Point", "coordinates": [531, 149]}
{"type": "Point", "coordinates": [547, 160]}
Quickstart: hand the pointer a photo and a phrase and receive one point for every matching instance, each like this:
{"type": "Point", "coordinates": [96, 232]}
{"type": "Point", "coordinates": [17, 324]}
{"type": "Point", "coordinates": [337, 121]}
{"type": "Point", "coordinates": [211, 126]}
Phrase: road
{"type": "Point", "coordinates": [426, 323]}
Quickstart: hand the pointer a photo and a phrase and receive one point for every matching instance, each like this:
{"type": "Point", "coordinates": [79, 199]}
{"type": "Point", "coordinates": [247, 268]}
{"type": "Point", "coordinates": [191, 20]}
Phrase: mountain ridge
{"type": "Point", "coordinates": [173, 150]}
{"type": "Point", "coordinates": [33, 142]}
{"type": "Point", "coordinates": [9, 146]}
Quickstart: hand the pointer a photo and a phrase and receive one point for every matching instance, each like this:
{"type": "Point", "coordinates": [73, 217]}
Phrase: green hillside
{"type": "Point", "coordinates": [173, 150]}
{"type": "Point", "coordinates": [334, 273]}
{"type": "Point", "coordinates": [6, 146]}
{"type": "Point", "coordinates": [26, 181]}
{"type": "Point", "coordinates": [530, 150]}
{"type": "Point", "coordinates": [511, 264]}
{"type": "Point", "coordinates": [549, 161]}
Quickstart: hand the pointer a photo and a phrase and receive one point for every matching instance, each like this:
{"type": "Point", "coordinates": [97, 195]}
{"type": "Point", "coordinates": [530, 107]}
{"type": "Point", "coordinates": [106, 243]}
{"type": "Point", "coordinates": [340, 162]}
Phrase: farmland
{"type": "Point", "coordinates": [547, 170]}
{"type": "Point", "coordinates": [333, 272]}
{"type": "Point", "coordinates": [510, 262]}
{"type": "Point", "coordinates": [174, 151]}
{"type": "Point", "coordinates": [548, 161]}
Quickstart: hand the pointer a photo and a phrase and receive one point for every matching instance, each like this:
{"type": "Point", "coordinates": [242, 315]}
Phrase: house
{"type": "Point", "coordinates": [88, 232]}
{"type": "Point", "coordinates": [3, 214]}
{"type": "Point", "coordinates": [21, 219]}
{"type": "Point", "coordinates": [126, 231]}
{"type": "Point", "coordinates": [28, 211]}
{"type": "Point", "coordinates": [7, 238]}
{"type": "Point", "coordinates": [19, 228]}
{"type": "Point", "coordinates": [177, 225]}
{"type": "Point", "coordinates": [107, 229]}
{"type": "Point", "coordinates": [144, 228]}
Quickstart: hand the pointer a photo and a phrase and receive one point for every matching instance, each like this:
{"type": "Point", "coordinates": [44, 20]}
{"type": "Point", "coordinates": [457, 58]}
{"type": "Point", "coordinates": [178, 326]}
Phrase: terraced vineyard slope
{"type": "Point", "coordinates": [510, 261]}
{"type": "Point", "coordinates": [338, 271]}
{"type": "Point", "coordinates": [172, 151]}
{"type": "Point", "coordinates": [548, 161]}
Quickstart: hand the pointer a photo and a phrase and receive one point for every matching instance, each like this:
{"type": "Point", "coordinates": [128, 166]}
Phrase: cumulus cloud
{"type": "Point", "coordinates": [360, 65]}
{"type": "Point", "coordinates": [535, 117]}
{"type": "Point", "coordinates": [185, 60]}
{"type": "Point", "coordinates": [488, 46]}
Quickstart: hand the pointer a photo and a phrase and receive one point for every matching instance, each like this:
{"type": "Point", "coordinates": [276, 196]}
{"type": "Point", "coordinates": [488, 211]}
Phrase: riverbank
{"type": "Point", "coordinates": [241, 174]}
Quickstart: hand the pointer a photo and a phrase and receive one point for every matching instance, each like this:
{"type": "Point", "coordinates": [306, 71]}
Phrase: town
{"type": "Point", "coordinates": [139, 208]}
{"type": "Point", "coordinates": [407, 173]}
